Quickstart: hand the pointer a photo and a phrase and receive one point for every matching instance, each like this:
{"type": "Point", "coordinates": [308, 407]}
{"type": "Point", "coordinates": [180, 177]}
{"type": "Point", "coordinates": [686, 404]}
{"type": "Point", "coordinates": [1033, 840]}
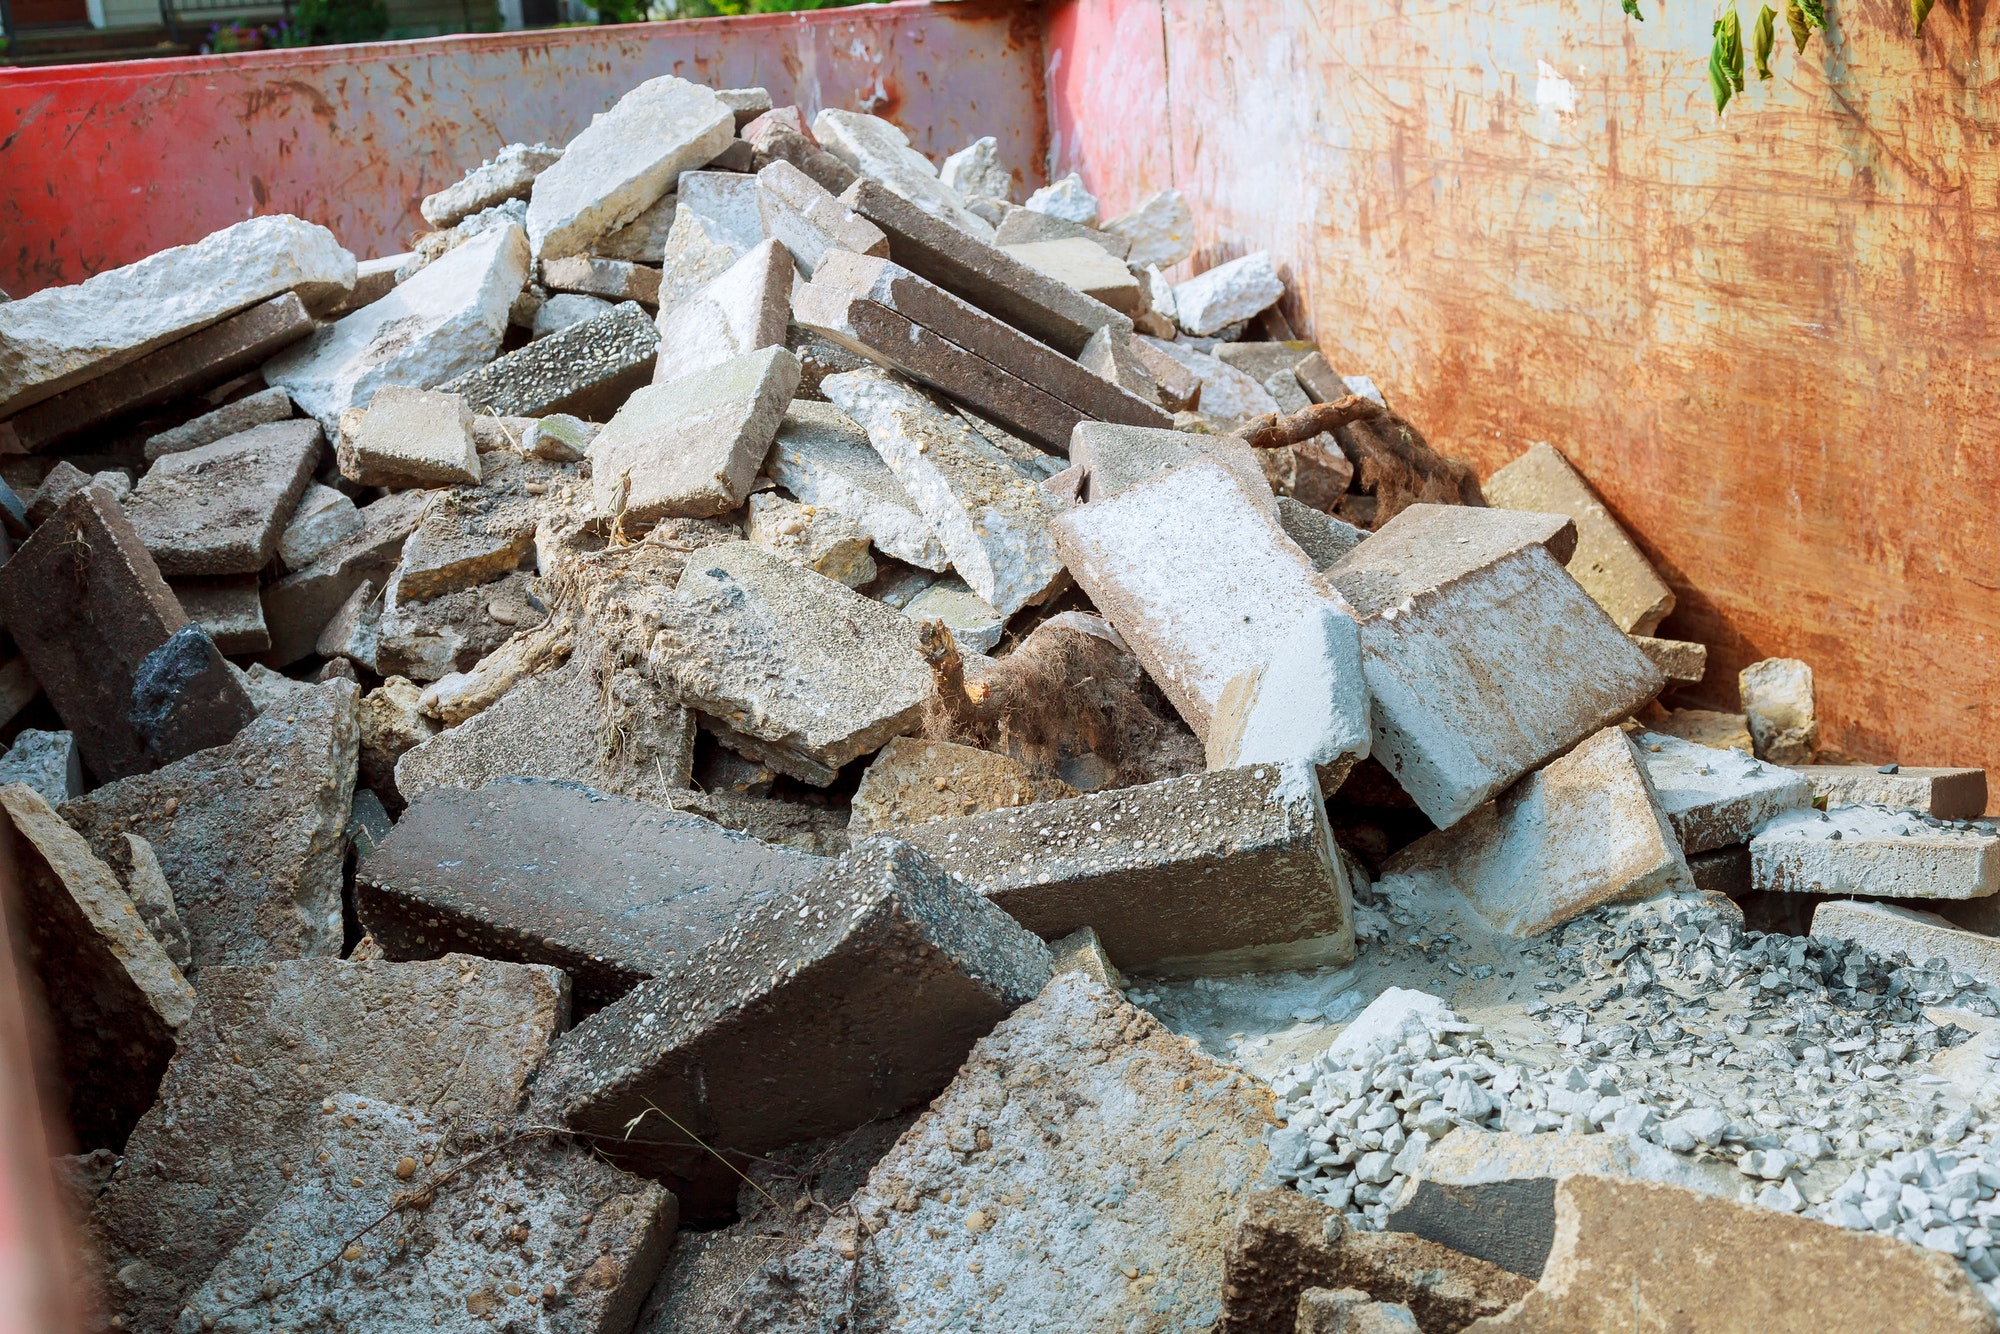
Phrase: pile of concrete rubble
{"type": "Point", "coordinates": [755, 736]}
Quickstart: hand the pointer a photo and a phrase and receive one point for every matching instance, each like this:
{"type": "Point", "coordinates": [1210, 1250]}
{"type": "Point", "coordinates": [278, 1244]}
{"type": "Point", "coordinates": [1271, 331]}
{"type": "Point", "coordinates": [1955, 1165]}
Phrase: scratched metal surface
{"type": "Point", "coordinates": [104, 164]}
{"type": "Point", "coordinates": [1770, 341]}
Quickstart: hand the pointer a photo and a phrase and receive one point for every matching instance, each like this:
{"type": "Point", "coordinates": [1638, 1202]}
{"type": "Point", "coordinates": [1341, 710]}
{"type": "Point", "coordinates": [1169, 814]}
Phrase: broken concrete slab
{"type": "Point", "coordinates": [1607, 562]}
{"type": "Point", "coordinates": [1067, 199]}
{"type": "Point", "coordinates": [623, 161]}
{"type": "Point", "coordinates": [820, 540]}
{"type": "Point", "coordinates": [788, 666]}
{"type": "Point", "coordinates": [644, 239]}
{"type": "Point", "coordinates": [1889, 930]}
{"type": "Point", "coordinates": [321, 520]}
{"type": "Point", "coordinates": [975, 626]}
{"type": "Point", "coordinates": [781, 135]}
{"type": "Point", "coordinates": [692, 447]}
{"type": "Point", "coordinates": [1324, 538]}
{"type": "Point", "coordinates": [1716, 797]}
{"type": "Point", "coordinates": [1229, 292]}
{"type": "Point", "coordinates": [1677, 659]}
{"type": "Point", "coordinates": [412, 438]}
{"type": "Point", "coordinates": [185, 698]}
{"type": "Point", "coordinates": [1208, 874]}
{"type": "Point", "coordinates": [1160, 229]}
{"type": "Point", "coordinates": [428, 639]}
{"type": "Point", "coordinates": [1084, 265]}
{"type": "Point", "coordinates": [875, 148]}
{"type": "Point", "coordinates": [612, 280]}
{"type": "Point", "coordinates": [822, 456]}
{"type": "Point", "coordinates": [630, 738]}
{"type": "Point", "coordinates": [1875, 852]}
{"type": "Point", "coordinates": [991, 521]}
{"type": "Point", "coordinates": [983, 274]}
{"type": "Point", "coordinates": [1583, 831]}
{"type": "Point", "coordinates": [63, 336]}
{"type": "Point", "coordinates": [693, 256]}
{"type": "Point", "coordinates": [746, 104]}
{"type": "Point", "coordinates": [1457, 606]}
{"type": "Point", "coordinates": [726, 201]}
{"type": "Point", "coordinates": [1179, 388]}
{"type": "Point", "coordinates": [441, 323]}
{"type": "Point", "coordinates": [1063, 1106]}
{"type": "Point", "coordinates": [586, 370]}
{"type": "Point", "coordinates": [612, 891]}
{"type": "Point", "coordinates": [113, 998]}
{"type": "Point", "coordinates": [250, 834]}
{"type": "Point", "coordinates": [882, 949]}
{"type": "Point", "coordinates": [1948, 794]}
{"type": "Point", "coordinates": [220, 508]}
{"type": "Point", "coordinates": [1224, 611]}
{"type": "Point", "coordinates": [266, 1050]}
{"type": "Point", "coordinates": [59, 484]}
{"type": "Point", "coordinates": [508, 174]}
{"type": "Point", "coordinates": [599, 1237]}
{"type": "Point", "coordinates": [1778, 702]}
{"type": "Point", "coordinates": [803, 216]}
{"type": "Point", "coordinates": [1285, 1244]}
{"type": "Point", "coordinates": [48, 762]}
{"type": "Point", "coordinates": [1027, 226]}
{"type": "Point", "coordinates": [474, 535]}
{"type": "Point", "coordinates": [561, 311]}
{"type": "Point", "coordinates": [913, 782]}
{"type": "Point", "coordinates": [147, 884]}
{"type": "Point", "coordinates": [181, 368]}
{"type": "Point", "coordinates": [1115, 458]}
{"type": "Point", "coordinates": [1627, 1253]}
{"type": "Point", "coordinates": [85, 647]}
{"type": "Point", "coordinates": [1227, 394]}
{"type": "Point", "coordinates": [298, 607]}
{"type": "Point", "coordinates": [740, 312]}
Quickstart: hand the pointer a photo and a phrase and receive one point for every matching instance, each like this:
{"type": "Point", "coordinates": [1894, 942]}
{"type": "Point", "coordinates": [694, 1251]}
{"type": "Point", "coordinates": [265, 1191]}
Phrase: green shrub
{"type": "Point", "coordinates": [342, 20]}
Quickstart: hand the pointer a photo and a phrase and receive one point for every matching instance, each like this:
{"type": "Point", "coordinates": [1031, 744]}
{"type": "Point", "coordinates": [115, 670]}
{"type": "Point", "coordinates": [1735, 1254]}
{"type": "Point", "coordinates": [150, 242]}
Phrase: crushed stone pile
{"type": "Point", "coordinates": [753, 734]}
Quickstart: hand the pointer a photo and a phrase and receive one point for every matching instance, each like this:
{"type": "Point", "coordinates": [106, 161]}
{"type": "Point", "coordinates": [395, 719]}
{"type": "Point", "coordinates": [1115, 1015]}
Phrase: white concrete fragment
{"type": "Point", "coordinates": [1716, 797]}
{"type": "Point", "coordinates": [63, 336]}
{"type": "Point", "coordinates": [445, 321]}
{"type": "Point", "coordinates": [564, 309]}
{"type": "Point", "coordinates": [973, 622]}
{"type": "Point", "coordinates": [745, 309]}
{"type": "Point", "coordinates": [324, 518]}
{"type": "Point", "coordinates": [975, 171]}
{"type": "Point", "coordinates": [1161, 230]}
{"type": "Point", "coordinates": [624, 161]}
{"type": "Point", "coordinates": [1084, 265]}
{"type": "Point", "coordinates": [1584, 831]}
{"type": "Point", "coordinates": [727, 202]}
{"type": "Point", "coordinates": [1227, 394]}
{"type": "Point", "coordinates": [1392, 1018]}
{"type": "Point", "coordinates": [1875, 852]}
{"type": "Point", "coordinates": [1778, 700]}
{"type": "Point", "coordinates": [1066, 199]}
{"type": "Point", "coordinates": [990, 519]}
{"type": "Point", "coordinates": [823, 457]}
{"type": "Point", "coordinates": [508, 174]}
{"type": "Point", "coordinates": [1227, 293]}
{"type": "Point", "coordinates": [1889, 930]}
{"type": "Point", "coordinates": [1225, 614]}
{"type": "Point", "coordinates": [874, 147]}
{"type": "Point", "coordinates": [1484, 658]}
{"type": "Point", "coordinates": [1949, 794]}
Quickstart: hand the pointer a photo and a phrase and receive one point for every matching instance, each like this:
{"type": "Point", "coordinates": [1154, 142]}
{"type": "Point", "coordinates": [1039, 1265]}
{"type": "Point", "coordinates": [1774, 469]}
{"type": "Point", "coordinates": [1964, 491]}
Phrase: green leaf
{"type": "Point", "coordinates": [1919, 11]}
{"type": "Point", "coordinates": [1632, 7]}
{"type": "Point", "coordinates": [1795, 17]}
{"type": "Point", "coordinates": [1764, 38]}
{"type": "Point", "coordinates": [1725, 59]}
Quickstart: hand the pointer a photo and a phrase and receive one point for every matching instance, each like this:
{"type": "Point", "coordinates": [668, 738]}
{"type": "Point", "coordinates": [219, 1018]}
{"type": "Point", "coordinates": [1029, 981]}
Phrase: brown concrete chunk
{"type": "Point", "coordinates": [85, 646]}
{"type": "Point", "coordinates": [850, 997]}
{"type": "Point", "coordinates": [265, 1051]}
{"type": "Point", "coordinates": [250, 834]}
{"type": "Point", "coordinates": [914, 782]}
{"type": "Point", "coordinates": [114, 999]}
{"type": "Point", "coordinates": [220, 508]}
{"type": "Point", "coordinates": [610, 890]}
{"type": "Point", "coordinates": [1677, 659]}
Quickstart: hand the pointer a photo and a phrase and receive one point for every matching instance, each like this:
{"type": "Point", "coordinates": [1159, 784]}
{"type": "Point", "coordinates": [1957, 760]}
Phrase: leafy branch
{"type": "Point", "coordinates": [1725, 55]}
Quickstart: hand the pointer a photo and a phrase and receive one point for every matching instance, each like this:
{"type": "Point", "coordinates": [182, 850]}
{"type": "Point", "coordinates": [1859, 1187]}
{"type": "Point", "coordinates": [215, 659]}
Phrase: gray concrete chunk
{"type": "Point", "coordinates": [1716, 797]}
{"type": "Point", "coordinates": [1215, 873]}
{"type": "Point", "coordinates": [1115, 458]}
{"type": "Point", "coordinates": [411, 438]}
{"type": "Point", "coordinates": [823, 457]}
{"type": "Point", "coordinates": [220, 508]}
{"type": "Point", "coordinates": [508, 174]}
{"type": "Point", "coordinates": [1889, 930]}
{"type": "Point", "coordinates": [443, 322]}
{"type": "Point", "coordinates": [185, 698]}
{"type": "Point", "coordinates": [992, 521]}
{"type": "Point", "coordinates": [1227, 293]}
{"type": "Point", "coordinates": [847, 998]}
{"type": "Point", "coordinates": [786, 665]}
{"type": "Point", "coordinates": [586, 369]}
{"type": "Point", "coordinates": [817, 539]}
{"type": "Point", "coordinates": [456, 1263]}
{"type": "Point", "coordinates": [265, 1051]}
{"type": "Point", "coordinates": [983, 274]}
{"type": "Point", "coordinates": [114, 999]}
{"type": "Point", "coordinates": [612, 891]}
{"type": "Point", "coordinates": [743, 310]}
{"type": "Point", "coordinates": [623, 161]}
{"type": "Point", "coordinates": [1459, 609]}
{"type": "Point", "coordinates": [692, 256]}
{"type": "Point", "coordinates": [63, 336]}
{"type": "Point", "coordinates": [875, 148]}
{"type": "Point", "coordinates": [1324, 538]}
{"type": "Point", "coordinates": [1875, 852]}
{"type": "Point", "coordinates": [727, 202]}
{"type": "Point", "coordinates": [804, 217]}
{"type": "Point", "coordinates": [48, 762]}
{"type": "Point", "coordinates": [691, 448]}
{"type": "Point", "coordinates": [298, 607]}
{"type": "Point", "coordinates": [475, 534]}
{"type": "Point", "coordinates": [250, 834]}
{"type": "Point", "coordinates": [607, 279]}
{"type": "Point", "coordinates": [322, 519]}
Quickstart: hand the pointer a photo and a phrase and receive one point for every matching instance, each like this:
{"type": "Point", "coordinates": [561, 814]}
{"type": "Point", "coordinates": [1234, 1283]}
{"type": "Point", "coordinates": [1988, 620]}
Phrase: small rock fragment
{"type": "Point", "coordinates": [1227, 293]}
{"type": "Point", "coordinates": [1778, 702]}
{"type": "Point", "coordinates": [913, 782]}
{"type": "Point", "coordinates": [412, 438]}
{"type": "Point", "coordinates": [186, 698]}
{"type": "Point", "coordinates": [1160, 228]}
{"type": "Point", "coordinates": [821, 540]}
